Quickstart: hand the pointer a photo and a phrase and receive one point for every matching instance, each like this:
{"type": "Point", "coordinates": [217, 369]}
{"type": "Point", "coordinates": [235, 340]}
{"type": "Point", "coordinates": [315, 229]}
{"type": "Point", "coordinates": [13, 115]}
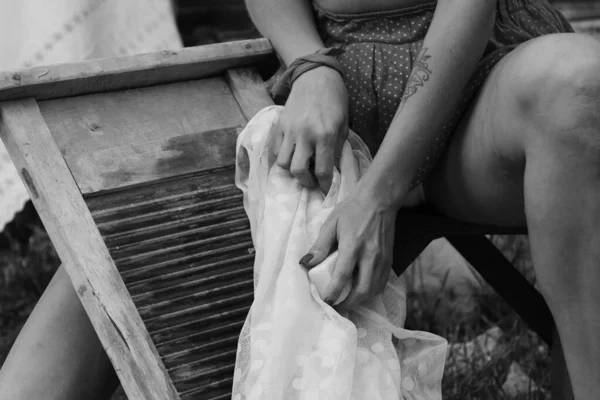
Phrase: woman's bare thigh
{"type": "Point", "coordinates": [480, 176]}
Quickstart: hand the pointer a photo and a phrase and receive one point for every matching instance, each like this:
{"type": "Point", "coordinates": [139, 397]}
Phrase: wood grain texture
{"type": "Point", "coordinates": [584, 16]}
{"type": "Point", "coordinates": [111, 74]}
{"type": "Point", "coordinates": [184, 250]}
{"type": "Point", "coordinates": [113, 140]}
{"type": "Point", "coordinates": [249, 90]}
{"type": "Point", "coordinates": [578, 10]}
{"type": "Point", "coordinates": [83, 252]}
{"type": "Point", "coordinates": [589, 27]}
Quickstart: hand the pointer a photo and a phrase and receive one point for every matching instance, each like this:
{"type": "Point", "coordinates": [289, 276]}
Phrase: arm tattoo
{"type": "Point", "coordinates": [419, 75]}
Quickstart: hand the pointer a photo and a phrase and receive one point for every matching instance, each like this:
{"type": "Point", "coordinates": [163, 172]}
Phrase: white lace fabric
{"type": "Point", "coordinates": [45, 32]}
{"type": "Point", "coordinates": [293, 346]}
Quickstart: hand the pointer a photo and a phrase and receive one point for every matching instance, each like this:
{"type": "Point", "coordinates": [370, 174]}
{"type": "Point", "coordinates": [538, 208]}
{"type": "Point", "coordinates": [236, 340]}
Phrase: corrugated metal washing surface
{"type": "Point", "coordinates": [184, 251]}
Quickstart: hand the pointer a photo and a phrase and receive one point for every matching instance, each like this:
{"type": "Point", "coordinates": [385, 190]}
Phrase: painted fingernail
{"type": "Point", "coordinates": [306, 259]}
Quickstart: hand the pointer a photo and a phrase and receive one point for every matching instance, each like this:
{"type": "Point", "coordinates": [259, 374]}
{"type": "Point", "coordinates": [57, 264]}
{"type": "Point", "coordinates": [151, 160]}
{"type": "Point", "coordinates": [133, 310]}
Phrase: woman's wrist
{"type": "Point", "coordinates": [323, 73]}
{"type": "Point", "coordinates": [317, 68]}
{"type": "Point", "coordinates": [384, 193]}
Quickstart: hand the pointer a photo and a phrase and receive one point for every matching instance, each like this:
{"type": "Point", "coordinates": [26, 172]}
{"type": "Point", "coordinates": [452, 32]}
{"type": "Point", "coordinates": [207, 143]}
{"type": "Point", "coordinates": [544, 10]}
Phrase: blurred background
{"type": "Point", "coordinates": [493, 355]}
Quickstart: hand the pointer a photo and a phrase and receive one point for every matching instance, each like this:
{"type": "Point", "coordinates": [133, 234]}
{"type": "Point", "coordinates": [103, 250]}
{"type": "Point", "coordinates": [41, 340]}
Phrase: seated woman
{"type": "Point", "coordinates": [486, 109]}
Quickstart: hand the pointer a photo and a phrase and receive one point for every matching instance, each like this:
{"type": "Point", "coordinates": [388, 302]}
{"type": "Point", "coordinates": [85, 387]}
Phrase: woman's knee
{"type": "Point", "coordinates": [556, 85]}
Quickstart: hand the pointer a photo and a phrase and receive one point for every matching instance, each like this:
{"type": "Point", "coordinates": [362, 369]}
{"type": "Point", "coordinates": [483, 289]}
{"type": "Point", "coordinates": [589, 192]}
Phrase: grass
{"type": "Point", "coordinates": [28, 261]}
{"type": "Point", "coordinates": [483, 374]}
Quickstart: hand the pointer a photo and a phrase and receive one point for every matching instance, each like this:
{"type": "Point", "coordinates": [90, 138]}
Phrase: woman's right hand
{"type": "Point", "coordinates": [314, 126]}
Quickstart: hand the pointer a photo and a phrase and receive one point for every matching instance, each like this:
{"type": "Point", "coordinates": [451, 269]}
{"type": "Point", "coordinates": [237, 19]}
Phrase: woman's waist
{"type": "Point", "coordinates": [407, 23]}
{"type": "Point", "coordinates": [372, 8]}
{"type": "Point", "coordinates": [397, 26]}
{"type": "Point", "coordinates": [357, 10]}
{"type": "Point", "coordinates": [360, 9]}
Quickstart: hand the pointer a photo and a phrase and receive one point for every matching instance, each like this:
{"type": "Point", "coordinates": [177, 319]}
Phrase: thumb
{"type": "Point", "coordinates": [339, 146]}
{"type": "Point", "coordinates": [276, 138]}
{"type": "Point", "coordinates": [322, 246]}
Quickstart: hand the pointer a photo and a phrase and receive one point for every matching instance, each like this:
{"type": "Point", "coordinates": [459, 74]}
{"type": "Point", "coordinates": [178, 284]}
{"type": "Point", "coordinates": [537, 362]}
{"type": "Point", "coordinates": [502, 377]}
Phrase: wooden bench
{"type": "Point", "coordinates": [584, 15]}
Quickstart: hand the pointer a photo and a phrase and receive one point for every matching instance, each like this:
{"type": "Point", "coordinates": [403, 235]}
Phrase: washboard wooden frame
{"type": "Point", "coordinates": [90, 139]}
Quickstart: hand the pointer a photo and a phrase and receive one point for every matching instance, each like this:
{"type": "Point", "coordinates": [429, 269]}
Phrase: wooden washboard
{"type": "Point", "coordinates": [130, 165]}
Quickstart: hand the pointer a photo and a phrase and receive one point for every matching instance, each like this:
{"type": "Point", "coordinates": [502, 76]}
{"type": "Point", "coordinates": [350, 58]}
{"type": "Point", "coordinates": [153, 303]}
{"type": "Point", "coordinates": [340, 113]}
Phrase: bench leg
{"type": "Point", "coordinates": [504, 278]}
{"type": "Point", "coordinates": [406, 251]}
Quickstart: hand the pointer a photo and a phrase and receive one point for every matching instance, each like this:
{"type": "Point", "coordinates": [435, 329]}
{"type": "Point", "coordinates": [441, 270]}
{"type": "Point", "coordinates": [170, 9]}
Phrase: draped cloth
{"type": "Point", "coordinates": [45, 32]}
{"type": "Point", "coordinates": [293, 346]}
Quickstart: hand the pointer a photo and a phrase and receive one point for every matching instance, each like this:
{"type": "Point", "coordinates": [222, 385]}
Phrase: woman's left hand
{"type": "Point", "coordinates": [364, 234]}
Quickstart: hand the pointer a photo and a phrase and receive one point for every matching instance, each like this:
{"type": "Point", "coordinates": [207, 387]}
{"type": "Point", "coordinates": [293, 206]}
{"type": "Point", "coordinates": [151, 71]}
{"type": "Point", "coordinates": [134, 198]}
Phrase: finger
{"type": "Point", "coordinates": [324, 165]}
{"type": "Point", "coordinates": [339, 145]}
{"type": "Point", "coordinates": [276, 142]}
{"type": "Point", "coordinates": [286, 152]}
{"type": "Point", "coordinates": [323, 245]}
{"type": "Point", "coordinates": [380, 282]}
{"type": "Point", "coordinates": [342, 273]}
{"type": "Point", "coordinates": [366, 280]}
{"type": "Point", "coordinates": [300, 164]}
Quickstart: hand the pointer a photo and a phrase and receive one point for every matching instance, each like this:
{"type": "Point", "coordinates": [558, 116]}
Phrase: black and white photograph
{"type": "Point", "coordinates": [299, 199]}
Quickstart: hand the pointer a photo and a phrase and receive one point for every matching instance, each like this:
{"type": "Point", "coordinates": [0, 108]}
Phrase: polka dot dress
{"type": "Point", "coordinates": [380, 49]}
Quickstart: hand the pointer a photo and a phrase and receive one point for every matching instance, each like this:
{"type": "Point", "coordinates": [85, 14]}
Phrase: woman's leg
{"type": "Point", "coordinates": [529, 150]}
{"type": "Point", "coordinates": [57, 354]}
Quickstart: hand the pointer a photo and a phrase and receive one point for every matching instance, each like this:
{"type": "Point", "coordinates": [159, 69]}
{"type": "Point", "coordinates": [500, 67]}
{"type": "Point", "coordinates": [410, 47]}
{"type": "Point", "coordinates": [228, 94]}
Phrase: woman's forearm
{"type": "Point", "coordinates": [288, 24]}
{"type": "Point", "coordinates": [454, 44]}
